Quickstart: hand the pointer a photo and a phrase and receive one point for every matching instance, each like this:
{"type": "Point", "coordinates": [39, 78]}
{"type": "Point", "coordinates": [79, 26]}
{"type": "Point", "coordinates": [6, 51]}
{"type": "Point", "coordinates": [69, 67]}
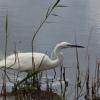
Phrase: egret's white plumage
{"type": "Point", "coordinates": [23, 61]}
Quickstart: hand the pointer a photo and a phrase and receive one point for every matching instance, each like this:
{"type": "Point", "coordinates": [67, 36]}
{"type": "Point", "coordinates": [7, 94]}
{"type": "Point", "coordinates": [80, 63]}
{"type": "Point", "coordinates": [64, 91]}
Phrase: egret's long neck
{"type": "Point", "coordinates": [58, 57]}
{"type": "Point", "coordinates": [57, 52]}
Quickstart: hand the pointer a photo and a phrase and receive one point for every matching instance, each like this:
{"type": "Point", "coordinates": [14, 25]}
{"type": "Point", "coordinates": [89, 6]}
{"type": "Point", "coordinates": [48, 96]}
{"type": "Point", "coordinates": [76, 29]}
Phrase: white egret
{"type": "Point", "coordinates": [23, 61]}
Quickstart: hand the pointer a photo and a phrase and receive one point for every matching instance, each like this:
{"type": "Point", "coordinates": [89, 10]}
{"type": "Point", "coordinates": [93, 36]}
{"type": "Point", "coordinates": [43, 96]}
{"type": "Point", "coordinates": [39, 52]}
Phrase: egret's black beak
{"type": "Point", "coordinates": [75, 46]}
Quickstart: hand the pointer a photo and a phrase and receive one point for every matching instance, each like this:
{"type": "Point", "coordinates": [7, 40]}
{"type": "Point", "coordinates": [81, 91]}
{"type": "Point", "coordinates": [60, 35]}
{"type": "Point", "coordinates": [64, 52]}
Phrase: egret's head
{"type": "Point", "coordinates": [68, 45]}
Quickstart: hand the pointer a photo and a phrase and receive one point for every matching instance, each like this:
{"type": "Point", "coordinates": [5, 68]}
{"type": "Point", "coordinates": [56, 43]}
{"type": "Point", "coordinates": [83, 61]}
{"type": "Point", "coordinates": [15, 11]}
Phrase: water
{"type": "Point", "coordinates": [79, 18]}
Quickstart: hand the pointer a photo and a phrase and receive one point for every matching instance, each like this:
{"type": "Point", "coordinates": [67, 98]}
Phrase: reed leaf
{"type": "Point", "coordinates": [61, 6]}
{"type": "Point", "coordinates": [54, 15]}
